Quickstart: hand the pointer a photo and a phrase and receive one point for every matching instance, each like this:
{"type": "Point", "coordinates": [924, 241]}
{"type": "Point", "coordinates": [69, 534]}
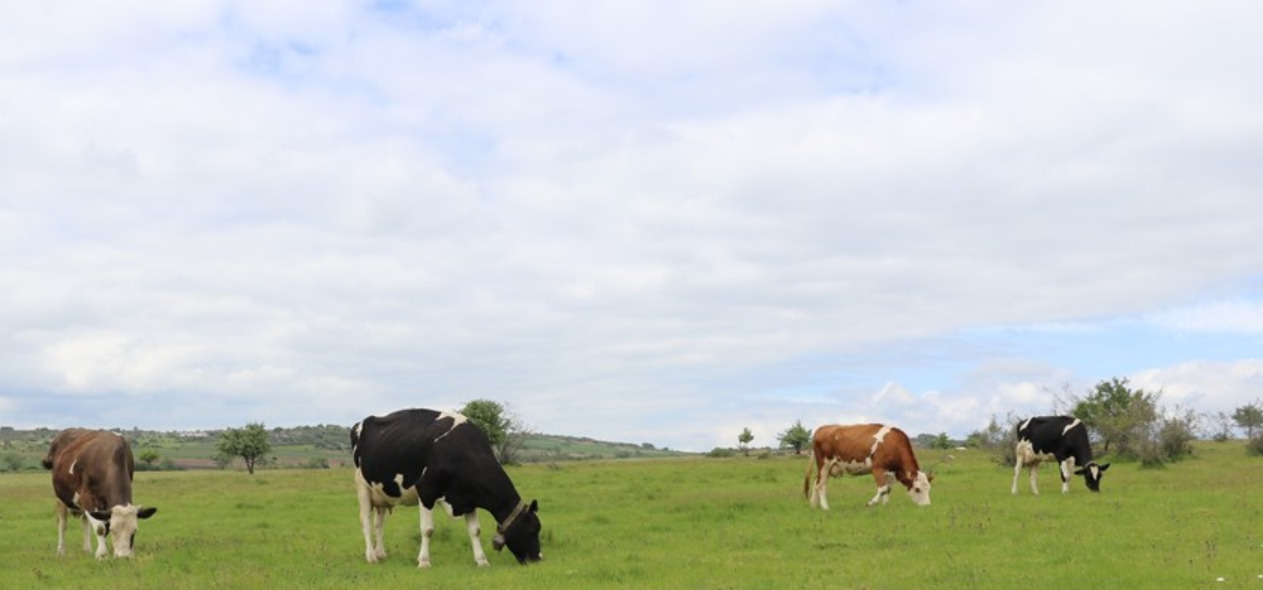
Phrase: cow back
{"type": "Point", "coordinates": [1059, 436]}
{"type": "Point", "coordinates": [96, 466]}
{"type": "Point", "coordinates": [846, 443]}
{"type": "Point", "coordinates": [395, 450]}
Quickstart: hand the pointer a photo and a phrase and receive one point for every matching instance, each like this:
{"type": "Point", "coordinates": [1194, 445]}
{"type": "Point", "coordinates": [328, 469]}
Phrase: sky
{"type": "Point", "coordinates": [644, 221]}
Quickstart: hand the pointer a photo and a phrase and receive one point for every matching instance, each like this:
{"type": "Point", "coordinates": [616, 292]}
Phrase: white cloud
{"type": "Point", "coordinates": [339, 208]}
{"type": "Point", "coordinates": [1237, 317]}
{"type": "Point", "coordinates": [1207, 386]}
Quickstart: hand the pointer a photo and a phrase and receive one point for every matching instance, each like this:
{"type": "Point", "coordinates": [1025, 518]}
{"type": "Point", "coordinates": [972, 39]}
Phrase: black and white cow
{"type": "Point", "coordinates": [423, 456]}
{"type": "Point", "coordinates": [1062, 438]}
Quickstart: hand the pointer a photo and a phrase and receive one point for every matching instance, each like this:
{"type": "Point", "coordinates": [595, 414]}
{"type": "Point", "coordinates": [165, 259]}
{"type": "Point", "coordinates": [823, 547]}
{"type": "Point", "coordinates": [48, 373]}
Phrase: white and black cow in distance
{"type": "Point", "coordinates": [92, 477]}
{"type": "Point", "coordinates": [424, 457]}
{"type": "Point", "coordinates": [1063, 439]}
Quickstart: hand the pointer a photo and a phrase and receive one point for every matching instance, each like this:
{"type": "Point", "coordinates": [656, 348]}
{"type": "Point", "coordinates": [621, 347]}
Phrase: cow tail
{"type": "Point", "coordinates": [811, 462]}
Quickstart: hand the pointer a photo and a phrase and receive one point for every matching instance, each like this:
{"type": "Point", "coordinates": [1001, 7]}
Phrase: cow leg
{"type": "Point", "coordinates": [61, 528]}
{"type": "Point", "coordinates": [427, 531]}
{"type": "Point", "coordinates": [366, 523]}
{"type": "Point", "coordinates": [87, 534]}
{"type": "Point", "coordinates": [471, 524]}
{"type": "Point", "coordinates": [1066, 467]}
{"type": "Point", "coordinates": [380, 513]}
{"type": "Point", "coordinates": [1034, 471]}
{"type": "Point", "coordinates": [819, 494]}
{"type": "Point", "coordinates": [1017, 472]}
{"type": "Point", "coordinates": [88, 526]}
{"type": "Point", "coordinates": [883, 486]}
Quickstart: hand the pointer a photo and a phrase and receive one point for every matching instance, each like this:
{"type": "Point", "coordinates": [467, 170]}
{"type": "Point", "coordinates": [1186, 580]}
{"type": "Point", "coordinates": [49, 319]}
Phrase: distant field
{"type": "Point", "coordinates": [684, 523]}
{"type": "Point", "coordinates": [330, 444]}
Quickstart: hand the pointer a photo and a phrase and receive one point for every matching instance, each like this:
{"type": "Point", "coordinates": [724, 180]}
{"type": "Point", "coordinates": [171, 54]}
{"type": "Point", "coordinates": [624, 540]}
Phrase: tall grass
{"type": "Point", "coordinates": [682, 523]}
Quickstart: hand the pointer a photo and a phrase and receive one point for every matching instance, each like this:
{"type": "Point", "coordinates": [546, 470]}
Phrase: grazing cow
{"type": "Point", "coordinates": [857, 449]}
{"type": "Point", "coordinates": [92, 477]}
{"type": "Point", "coordinates": [423, 456]}
{"type": "Point", "coordinates": [1062, 438]}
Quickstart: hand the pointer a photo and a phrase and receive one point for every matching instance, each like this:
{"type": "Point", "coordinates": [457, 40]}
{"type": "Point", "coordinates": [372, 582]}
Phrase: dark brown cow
{"type": "Point", "coordinates": [92, 477]}
{"type": "Point", "coordinates": [857, 449]}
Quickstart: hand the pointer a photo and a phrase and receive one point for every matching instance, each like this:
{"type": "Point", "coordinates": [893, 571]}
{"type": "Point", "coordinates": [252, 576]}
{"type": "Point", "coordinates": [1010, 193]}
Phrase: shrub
{"type": "Point", "coordinates": [998, 439]}
{"type": "Point", "coordinates": [720, 453]}
{"type": "Point", "coordinates": [1176, 436]}
{"type": "Point", "coordinates": [13, 462]}
{"type": "Point", "coordinates": [1255, 445]}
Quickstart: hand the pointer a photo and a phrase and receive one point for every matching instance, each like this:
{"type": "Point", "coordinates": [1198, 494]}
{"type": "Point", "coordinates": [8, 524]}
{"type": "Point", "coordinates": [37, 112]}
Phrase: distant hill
{"type": "Point", "coordinates": [552, 447]}
{"type": "Point", "coordinates": [320, 446]}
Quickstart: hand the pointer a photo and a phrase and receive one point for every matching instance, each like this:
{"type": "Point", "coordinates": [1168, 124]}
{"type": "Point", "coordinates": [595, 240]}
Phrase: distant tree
{"type": "Point", "coordinates": [250, 443]}
{"type": "Point", "coordinates": [488, 416]}
{"type": "Point", "coordinates": [744, 438]}
{"type": "Point", "coordinates": [1171, 439]}
{"type": "Point", "coordinates": [1249, 417]}
{"type": "Point", "coordinates": [999, 438]}
{"type": "Point", "coordinates": [1120, 416]}
{"type": "Point", "coordinates": [1221, 424]}
{"type": "Point", "coordinates": [942, 441]}
{"type": "Point", "coordinates": [14, 461]}
{"type": "Point", "coordinates": [795, 437]}
{"type": "Point", "coordinates": [503, 428]}
{"type": "Point", "coordinates": [148, 457]}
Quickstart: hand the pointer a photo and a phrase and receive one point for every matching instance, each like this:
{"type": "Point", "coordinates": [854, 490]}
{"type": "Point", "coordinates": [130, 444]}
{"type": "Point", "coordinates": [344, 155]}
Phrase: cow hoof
{"type": "Point", "coordinates": [483, 563]}
{"type": "Point", "coordinates": [423, 563]}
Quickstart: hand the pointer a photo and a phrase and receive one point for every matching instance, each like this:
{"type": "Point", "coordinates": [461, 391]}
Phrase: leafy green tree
{"type": "Point", "coordinates": [250, 443]}
{"type": "Point", "coordinates": [795, 437]}
{"type": "Point", "coordinates": [148, 457]}
{"type": "Point", "coordinates": [488, 416]}
{"type": "Point", "coordinates": [1120, 416]}
{"type": "Point", "coordinates": [505, 430]}
{"type": "Point", "coordinates": [744, 438]}
{"type": "Point", "coordinates": [942, 441]}
{"type": "Point", "coordinates": [1249, 417]}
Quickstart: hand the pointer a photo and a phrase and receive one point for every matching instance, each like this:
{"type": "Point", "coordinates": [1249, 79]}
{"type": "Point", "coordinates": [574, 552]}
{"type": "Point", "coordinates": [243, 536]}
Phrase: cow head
{"type": "Point", "coordinates": [1092, 474]}
{"type": "Point", "coordinates": [919, 491]}
{"type": "Point", "coordinates": [520, 533]}
{"type": "Point", "coordinates": [120, 523]}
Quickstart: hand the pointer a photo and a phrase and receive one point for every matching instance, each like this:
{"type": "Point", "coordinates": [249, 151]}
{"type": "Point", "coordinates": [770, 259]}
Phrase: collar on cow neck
{"type": "Point", "coordinates": [508, 522]}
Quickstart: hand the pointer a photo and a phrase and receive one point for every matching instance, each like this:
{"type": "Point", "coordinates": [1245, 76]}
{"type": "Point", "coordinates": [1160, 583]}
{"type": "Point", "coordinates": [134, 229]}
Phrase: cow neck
{"type": "Point", "coordinates": [504, 509]}
{"type": "Point", "coordinates": [908, 468]}
{"type": "Point", "coordinates": [504, 525]}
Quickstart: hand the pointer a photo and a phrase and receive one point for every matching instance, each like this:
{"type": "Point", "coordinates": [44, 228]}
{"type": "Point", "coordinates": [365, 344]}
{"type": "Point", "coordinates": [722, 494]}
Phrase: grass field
{"type": "Point", "coordinates": [682, 523]}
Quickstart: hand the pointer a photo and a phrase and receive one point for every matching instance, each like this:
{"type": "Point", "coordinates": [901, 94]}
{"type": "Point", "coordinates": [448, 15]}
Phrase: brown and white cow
{"type": "Point", "coordinates": [881, 450]}
{"type": "Point", "coordinates": [92, 477]}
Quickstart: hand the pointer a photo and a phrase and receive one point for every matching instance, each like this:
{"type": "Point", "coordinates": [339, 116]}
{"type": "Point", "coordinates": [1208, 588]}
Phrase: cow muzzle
{"type": "Point", "coordinates": [497, 542]}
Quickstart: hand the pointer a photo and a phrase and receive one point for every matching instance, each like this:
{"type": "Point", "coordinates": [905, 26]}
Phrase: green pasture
{"type": "Point", "coordinates": [682, 523]}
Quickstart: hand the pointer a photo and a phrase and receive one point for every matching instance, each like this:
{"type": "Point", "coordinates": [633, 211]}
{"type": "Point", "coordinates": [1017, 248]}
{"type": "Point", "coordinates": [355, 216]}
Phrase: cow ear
{"type": "Point", "coordinates": [1079, 471]}
{"type": "Point", "coordinates": [102, 515]}
{"type": "Point", "coordinates": [1103, 467]}
{"type": "Point", "coordinates": [146, 512]}
{"type": "Point", "coordinates": [534, 506]}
